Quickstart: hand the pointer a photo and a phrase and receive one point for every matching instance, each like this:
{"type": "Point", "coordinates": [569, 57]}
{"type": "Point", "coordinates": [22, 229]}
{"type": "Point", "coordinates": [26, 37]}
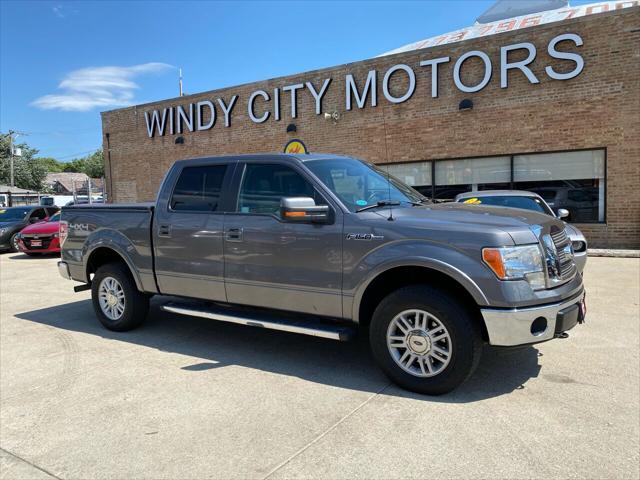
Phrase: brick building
{"type": "Point", "coordinates": [552, 107]}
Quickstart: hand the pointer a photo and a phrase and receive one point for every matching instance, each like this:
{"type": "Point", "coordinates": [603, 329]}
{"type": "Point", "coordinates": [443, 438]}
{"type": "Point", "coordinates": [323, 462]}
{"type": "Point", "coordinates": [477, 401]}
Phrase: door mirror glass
{"type": "Point", "coordinates": [303, 210]}
{"type": "Point", "coordinates": [563, 213]}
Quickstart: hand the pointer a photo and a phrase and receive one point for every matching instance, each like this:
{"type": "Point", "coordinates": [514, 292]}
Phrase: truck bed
{"type": "Point", "coordinates": [122, 227]}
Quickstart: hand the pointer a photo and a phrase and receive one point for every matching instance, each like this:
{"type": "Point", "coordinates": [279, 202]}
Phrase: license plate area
{"type": "Point", "coordinates": [36, 243]}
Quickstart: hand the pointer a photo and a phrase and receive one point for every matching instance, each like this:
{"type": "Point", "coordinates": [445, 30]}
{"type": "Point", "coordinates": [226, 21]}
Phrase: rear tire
{"type": "Point", "coordinates": [118, 303]}
{"type": "Point", "coordinates": [425, 340]}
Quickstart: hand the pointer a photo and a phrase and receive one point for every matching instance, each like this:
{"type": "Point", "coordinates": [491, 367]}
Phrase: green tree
{"type": "Point", "coordinates": [92, 165]}
{"type": "Point", "coordinates": [51, 165]}
{"type": "Point", "coordinates": [28, 172]}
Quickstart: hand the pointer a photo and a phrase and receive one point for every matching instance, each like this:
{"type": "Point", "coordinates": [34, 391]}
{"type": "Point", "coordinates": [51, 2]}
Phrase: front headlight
{"type": "Point", "coordinates": [2, 231]}
{"type": "Point", "coordinates": [517, 263]}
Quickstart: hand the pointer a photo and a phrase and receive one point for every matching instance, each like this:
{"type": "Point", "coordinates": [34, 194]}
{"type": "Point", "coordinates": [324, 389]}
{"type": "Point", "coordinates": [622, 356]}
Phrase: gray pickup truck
{"type": "Point", "coordinates": [321, 245]}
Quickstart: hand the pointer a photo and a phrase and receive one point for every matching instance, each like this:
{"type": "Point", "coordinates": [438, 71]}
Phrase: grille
{"type": "Point", "coordinates": [562, 244]}
{"type": "Point", "coordinates": [46, 241]}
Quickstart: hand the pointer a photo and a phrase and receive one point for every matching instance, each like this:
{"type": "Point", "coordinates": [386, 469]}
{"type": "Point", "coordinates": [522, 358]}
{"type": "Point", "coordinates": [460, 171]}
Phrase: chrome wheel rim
{"type": "Point", "coordinates": [111, 298]}
{"type": "Point", "coordinates": [419, 343]}
{"type": "Point", "coordinates": [15, 244]}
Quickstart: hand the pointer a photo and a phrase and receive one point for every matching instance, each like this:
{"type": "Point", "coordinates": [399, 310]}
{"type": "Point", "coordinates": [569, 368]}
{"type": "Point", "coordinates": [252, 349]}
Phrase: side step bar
{"type": "Point", "coordinates": [306, 326]}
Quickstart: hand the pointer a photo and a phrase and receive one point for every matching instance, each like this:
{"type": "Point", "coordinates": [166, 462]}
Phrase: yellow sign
{"type": "Point", "coordinates": [295, 146]}
{"type": "Point", "coordinates": [473, 201]}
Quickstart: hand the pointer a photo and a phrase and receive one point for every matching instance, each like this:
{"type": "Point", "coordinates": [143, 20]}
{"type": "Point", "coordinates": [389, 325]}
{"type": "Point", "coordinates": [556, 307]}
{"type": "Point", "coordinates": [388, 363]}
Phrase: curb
{"type": "Point", "coordinates": [607, 252]}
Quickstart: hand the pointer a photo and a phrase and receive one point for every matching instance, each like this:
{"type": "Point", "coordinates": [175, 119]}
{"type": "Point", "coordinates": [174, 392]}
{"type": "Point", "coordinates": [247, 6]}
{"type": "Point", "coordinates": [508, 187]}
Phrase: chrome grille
{"type": "Point", "coordinates": [559, 256]}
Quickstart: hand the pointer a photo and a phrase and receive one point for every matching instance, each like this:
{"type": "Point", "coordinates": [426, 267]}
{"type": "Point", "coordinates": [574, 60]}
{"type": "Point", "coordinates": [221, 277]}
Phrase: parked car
{"type": "Point", "coordinates": [530, 201]}
{"type": "Point", "coordinates": [41, 238]}
{"type": "Point", "coordinates": [14, 219]}
{"type": "Point", "coordinates": [322, 244]}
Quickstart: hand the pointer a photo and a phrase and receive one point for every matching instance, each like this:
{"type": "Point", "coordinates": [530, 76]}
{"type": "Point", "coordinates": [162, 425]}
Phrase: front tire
{"type": "Point", "coordinates": [425, 340]}
{"type": "Point", "coordinates": [13, 245]}
{"type": "Point", "coordinates": [118, 303]}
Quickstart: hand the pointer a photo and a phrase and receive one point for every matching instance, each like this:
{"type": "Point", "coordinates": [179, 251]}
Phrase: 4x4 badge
{"type": "Point", "coordinates": [364, 236]}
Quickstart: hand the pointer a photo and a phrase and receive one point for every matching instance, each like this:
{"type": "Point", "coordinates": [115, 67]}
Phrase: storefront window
{"type": "Point", "coordinates": [460, 176]}
{"type": "Point", "coordinates": [416, 175]}
{"type": "Point", "coordinates": [570, 180]}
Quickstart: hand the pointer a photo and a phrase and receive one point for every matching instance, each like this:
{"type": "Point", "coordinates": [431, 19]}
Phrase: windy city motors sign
{"type": "Point", "coordinates": [262, 105]}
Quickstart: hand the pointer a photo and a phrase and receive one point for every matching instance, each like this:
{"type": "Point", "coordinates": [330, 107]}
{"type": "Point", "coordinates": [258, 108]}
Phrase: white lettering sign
{"type": "Point", "coordinates": [261, 106]}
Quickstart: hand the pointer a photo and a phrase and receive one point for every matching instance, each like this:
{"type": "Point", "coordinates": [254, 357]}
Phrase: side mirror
{"type": "Point", "coordinates": [303, 210]}
{"type": "Point", "coordinates": [563, 213]}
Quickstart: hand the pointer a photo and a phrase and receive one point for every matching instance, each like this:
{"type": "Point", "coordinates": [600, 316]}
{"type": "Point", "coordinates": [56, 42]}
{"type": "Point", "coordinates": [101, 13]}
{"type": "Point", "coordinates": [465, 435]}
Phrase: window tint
{"type": "Point", "coordinates": [39, 213]}
{"type": "Point", "coordinates": [263, 186]}
{"type": "Point", "coordinates": [198, 189]}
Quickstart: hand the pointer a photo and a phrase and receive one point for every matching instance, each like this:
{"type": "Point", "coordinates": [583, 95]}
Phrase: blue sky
{"type": "Point", "coordinates": [51, 52]}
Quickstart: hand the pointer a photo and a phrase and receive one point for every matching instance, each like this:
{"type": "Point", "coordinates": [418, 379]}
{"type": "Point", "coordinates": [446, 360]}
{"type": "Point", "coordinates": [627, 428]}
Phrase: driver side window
{"type": "Point", "coordinates": [264, 185]}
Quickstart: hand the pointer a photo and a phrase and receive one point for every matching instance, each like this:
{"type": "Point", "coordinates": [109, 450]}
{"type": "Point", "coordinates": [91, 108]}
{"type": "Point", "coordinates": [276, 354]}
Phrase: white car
{"type": "Point", "coordinates": [529, 201]}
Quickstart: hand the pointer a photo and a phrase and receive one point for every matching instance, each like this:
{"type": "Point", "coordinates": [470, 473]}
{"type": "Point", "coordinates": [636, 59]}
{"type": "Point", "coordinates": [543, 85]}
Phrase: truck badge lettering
{"type": "Point", "coordinates": [364, 236]}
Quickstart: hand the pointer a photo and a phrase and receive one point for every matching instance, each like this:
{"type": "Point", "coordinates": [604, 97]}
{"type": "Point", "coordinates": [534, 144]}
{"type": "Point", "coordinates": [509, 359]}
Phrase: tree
{"type": "Point", "coordinates": [92, 165]}
{"type": "Point", "coordinates": [28, 172]}
{"type": "Point", "coordinates": [51, 165]}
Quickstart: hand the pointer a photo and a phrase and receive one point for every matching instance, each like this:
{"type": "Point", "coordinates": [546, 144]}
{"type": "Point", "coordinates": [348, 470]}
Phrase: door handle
{"type": "Point", "coordinates": [164, 230]}
{"type": "Point", "coordinates": [233, 235]}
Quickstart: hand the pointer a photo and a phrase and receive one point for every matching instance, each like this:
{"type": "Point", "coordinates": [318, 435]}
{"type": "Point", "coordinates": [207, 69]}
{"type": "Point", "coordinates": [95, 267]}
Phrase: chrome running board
{"type": "Point", "coordinates": [305, 326]}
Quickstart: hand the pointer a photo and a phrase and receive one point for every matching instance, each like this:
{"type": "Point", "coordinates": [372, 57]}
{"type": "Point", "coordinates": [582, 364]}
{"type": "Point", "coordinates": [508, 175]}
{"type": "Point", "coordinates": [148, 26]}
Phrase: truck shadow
{"type": "Point", "coordinates": [346, 365]}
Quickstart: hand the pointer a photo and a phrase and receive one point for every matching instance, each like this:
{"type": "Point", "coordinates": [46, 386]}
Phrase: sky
{"type": "Point", "coordinates": [62, 63]}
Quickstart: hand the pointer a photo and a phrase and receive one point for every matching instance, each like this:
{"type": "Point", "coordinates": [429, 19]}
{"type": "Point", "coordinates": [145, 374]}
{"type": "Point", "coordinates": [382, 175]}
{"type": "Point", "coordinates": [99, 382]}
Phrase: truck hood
{"type": "Point", "coordinates": [42, 228]}
{"type": "Point", "coordinates": [522, 225]}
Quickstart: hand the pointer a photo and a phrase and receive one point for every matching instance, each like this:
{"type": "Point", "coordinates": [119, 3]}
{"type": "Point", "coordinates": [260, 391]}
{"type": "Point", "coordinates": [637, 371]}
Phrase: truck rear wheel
{"type": "Point", "coordinates": [116, 300]}
{"type": "Point", "coordinates": [424, 340]}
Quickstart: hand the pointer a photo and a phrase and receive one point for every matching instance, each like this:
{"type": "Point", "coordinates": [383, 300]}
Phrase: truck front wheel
{"type": "Point", "coordinates": [116, 300]}
{"type": "Point", "coordinates": [425, 340]}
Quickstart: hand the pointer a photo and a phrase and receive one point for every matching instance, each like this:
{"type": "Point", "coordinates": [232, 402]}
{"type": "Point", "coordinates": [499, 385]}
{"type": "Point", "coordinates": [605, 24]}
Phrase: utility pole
{"type": "Point", "coordinates": [11, 181]}
{"type": "Point", "coordinates": [11, 169]}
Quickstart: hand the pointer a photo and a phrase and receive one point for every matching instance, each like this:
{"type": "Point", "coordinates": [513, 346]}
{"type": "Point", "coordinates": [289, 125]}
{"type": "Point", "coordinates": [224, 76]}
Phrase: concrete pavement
{"type": "Point", "coordinates": [190, 398]}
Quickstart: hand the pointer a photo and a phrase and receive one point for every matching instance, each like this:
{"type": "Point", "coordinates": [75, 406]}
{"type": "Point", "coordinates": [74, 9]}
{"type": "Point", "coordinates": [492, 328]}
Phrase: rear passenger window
{"type": "Point", "coordinates": [198, 189]}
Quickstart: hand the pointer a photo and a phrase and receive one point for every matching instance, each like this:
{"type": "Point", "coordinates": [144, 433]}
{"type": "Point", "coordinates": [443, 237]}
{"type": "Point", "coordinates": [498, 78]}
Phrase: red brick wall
{"type": "Point", "coordinates": [598, 108]}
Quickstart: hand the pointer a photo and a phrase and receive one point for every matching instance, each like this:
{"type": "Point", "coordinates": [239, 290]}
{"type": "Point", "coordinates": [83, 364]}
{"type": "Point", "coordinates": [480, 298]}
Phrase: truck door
{"type": "Point", "coordinates": [188, 231]}
{"type": "Point", "coordinates": [270, 263]}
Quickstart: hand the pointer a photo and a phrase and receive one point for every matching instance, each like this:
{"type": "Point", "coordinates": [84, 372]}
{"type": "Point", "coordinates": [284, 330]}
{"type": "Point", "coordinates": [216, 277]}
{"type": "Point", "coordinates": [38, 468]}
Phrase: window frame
{"type": "Point", "coordinates": [238, 179]}
{"type": "Point", "coordinates": [224, 188]}
{"type": "Point", "coordinates": [511, 165]}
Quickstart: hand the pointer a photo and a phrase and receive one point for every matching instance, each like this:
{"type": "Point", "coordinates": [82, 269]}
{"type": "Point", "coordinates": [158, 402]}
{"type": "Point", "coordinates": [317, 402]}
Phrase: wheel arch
{"type": "Point", "coordinates": [102, 255]}
{"type": "Point", "coordinates": [398, 276]}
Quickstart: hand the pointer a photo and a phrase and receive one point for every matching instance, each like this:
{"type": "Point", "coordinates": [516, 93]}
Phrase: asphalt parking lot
{"type": "Point", "coordinates": [190, 398]}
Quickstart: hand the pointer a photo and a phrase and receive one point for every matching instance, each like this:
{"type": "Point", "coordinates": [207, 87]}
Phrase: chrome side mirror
{"type": "Point", "coordinates": [303, 210]}
{"type": "Point", "coordinates": [563, 213]}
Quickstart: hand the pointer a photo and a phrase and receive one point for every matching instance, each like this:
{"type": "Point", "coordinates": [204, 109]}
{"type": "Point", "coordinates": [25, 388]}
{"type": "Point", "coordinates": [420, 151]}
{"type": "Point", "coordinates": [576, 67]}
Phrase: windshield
{"type": "Point", "coordinates": [13, 214]}
{"type": "Point", "coordinates": [515, 201]}
{"type": "Point", "coordinates": [358, 184]}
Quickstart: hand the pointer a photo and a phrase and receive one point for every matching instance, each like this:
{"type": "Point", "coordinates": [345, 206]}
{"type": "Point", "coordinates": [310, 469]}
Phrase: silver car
{"type": "Point", "coordinates": [529, 201]}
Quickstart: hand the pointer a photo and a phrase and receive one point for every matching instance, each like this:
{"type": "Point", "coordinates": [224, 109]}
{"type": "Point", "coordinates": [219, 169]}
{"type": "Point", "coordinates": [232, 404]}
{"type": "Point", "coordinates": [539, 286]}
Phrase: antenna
{"type": "Point", "coordinates": [180, 82]}
{"type": "Point", "coordinates": [391, 219]}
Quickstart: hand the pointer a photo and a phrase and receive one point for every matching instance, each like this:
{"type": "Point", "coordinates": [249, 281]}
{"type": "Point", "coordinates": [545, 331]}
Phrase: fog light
{"type": "Point", "coordinates": [539, 326]}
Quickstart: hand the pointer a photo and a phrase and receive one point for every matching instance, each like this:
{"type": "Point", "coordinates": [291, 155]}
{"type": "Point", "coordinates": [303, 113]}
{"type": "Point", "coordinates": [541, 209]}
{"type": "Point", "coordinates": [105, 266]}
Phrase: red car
{"type": "Point", "coordinates": [41, 237]}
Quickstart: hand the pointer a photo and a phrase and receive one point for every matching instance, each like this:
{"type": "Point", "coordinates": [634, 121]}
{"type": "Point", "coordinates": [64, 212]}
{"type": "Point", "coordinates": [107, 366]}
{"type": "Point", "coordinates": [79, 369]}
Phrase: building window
{"type": "Point", "coordinates": [570, 180]}
{"type": "Point", "coordinates": [573, 180]}
{"type": "Point", "coordinates": [460, 176]}
{"type": "Point", "coordinates": [416, 175]}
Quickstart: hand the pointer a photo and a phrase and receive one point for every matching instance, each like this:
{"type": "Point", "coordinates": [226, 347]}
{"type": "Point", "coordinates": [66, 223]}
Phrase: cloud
{"type": "Point", "coordinates": [93, 87]}
{"type": "Point", "coordinates": [62, 11]}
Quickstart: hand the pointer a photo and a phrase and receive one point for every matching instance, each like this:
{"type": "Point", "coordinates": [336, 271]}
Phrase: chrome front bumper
{"type": "Point", "coordinates": [511, 327]}
{"type": "Point", "coordinates": [63, 270]}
